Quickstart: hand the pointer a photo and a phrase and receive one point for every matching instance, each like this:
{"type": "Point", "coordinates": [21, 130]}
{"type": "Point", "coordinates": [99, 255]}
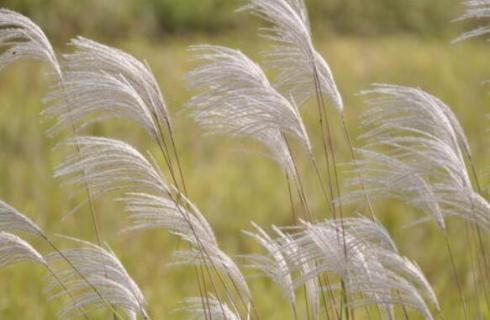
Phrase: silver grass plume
{"type": "Point", "coordinates": [274, 264]}
{"type": "Point", "coordinates": [291, 251]}
{"type": "Point", "coordinates": [11, 220]}
{"type": "Point", "coordinates": [415, 150]}
{"type": "Point", "coordinates": [378, 274]}
{"type": "Point", "coordinates": [396, 107]}
{"type": "Point", "coordinates": [386, 177]}
{"type": "Point", "coordinates": [109, 165]}
{"type": "Point", "coordinates": [13, 249]}
{"type": "Point", "coordinates": [209, 255]}
{"type": "Point", "coordinates": [217, 310]}
{"type": "Point", "coordinates": [105, 281]}
{"type": "Point", "coordinates": [280, 263]}
{"type": "Point", "coordinates": [21, 38]}
{"type": "Point", "coordinates": [150, 212]}
{"type": "Point", "coordinates": [475, 10]}
{"type": "Point", "coordinates": [101, 83]}
{"type": "Point", "coordinates": [302, 70]}
{"type": "Point", "coordinates": [373, 272]}
{"type": "Point", "coordinates": [238, 100]}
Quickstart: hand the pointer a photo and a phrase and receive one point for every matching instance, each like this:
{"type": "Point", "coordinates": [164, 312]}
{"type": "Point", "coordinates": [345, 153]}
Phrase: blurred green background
{"type": "Point", "coordinates": [120, 18]}
{"type": "Point", "coordinates": [387, 41]}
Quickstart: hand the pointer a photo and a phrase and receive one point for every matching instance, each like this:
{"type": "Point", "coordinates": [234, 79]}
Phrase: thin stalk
{"type": "Point", "coordinates": [53, 274]}
{"type": "Point", "coordinates": [354, 159]}
{"type": "Point", "coordinates": [298, 182]}
{"type": "Point", "coordinates": [301, 194]}
{"type": "Point", "coordinates": [324, 144]}
{"type": "Point", "coordinates": [343, 302]}
{"type": "Point", "coordinates": [202, 250]}
{"type": "Point", "coordinates": [93, 215]}
{"type": "Point", "coordinates": [200, 272]}
{"type": "Point", "coordinates": [216, 292]}
{"type": "Point", "coordinates": [327, 131]}
{"type": "Point", "coordinates": [203, 293]}
{"type": "Point", "coordinates": [404, 309]}
{"type": "Point", "coordinates": [177, 157]}
{"type": "Point", "coordinates": [321, 107]}
{"type": "Point", "coordinates": [295, 312]}
{"type": "Point", "coordinates": [181, 175]}
{"type": "Point", "coordinates": [307, 304]}
{"type": "Point", "coordinates": [331, 296]}
{"type": "Point", "coordinates": [317, 171]}
{"type": "Point", "coordinates": [82, 276]}
{"type": "Point", "coordinates": [472, 251]}
{"type": "Point", "coordinates": [180, 196]}
{"type": "Point", "coordinates": [483, 254]}
{"type": "Point", "coordinates": [455, 275]}
{"type": "Point", "coordinates": [205, 255]}
{"type": "Point", "coordinates": [324, 299]}
{"type": "Point", "coordinates": [291, 200]}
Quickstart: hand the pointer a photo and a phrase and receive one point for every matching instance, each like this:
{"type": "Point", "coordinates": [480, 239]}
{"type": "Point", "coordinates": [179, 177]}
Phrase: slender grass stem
{"type": "Point", "coordinates": [62, 285]}
{"type": "Point", "coordinates": [456, 276]}
{"type": "Point", "coordinates": [354, 159]}
{"type": "Point", "coordinates": [82, 276]}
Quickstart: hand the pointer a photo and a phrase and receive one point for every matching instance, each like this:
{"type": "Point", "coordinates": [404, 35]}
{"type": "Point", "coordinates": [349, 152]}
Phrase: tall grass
{"type": "Point", "coordinates": [340, 265]}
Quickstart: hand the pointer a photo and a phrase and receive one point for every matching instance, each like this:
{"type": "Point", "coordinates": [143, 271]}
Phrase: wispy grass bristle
{"type": "Point", "coordinates": [105, 280]}
{"type": "Point", "coordinates": [20, 38]}
{"type": "Point", "coordinates": [101, 83]}
{"type": "Point", "coordinates": [238, 100]}
{"type": "Point", "coordinates": [13, 250]}
{"type": "Point", "coordinates": [294, 55]}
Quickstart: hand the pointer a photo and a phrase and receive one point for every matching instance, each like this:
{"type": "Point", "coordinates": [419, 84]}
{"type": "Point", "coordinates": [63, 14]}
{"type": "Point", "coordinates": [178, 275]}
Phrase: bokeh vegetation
{"type": "Point", "coordinates": [119, 18]}
{"type": "Point", "coordinates": [409, 45]}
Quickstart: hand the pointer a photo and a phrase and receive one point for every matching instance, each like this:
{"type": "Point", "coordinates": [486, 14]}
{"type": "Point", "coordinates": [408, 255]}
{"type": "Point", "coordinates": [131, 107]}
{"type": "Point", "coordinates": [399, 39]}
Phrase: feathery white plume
{"type": "Point", "coordinates": [214, 309]}
{"type": "Point", "coordinates": [396, 107]}
{"type": "Point", "coordinates": [210, 255]}
{"type": "Point", "coordinates": [292, 251]}
{"type": "Point", "coordinates": [475, 10]}
{"type": "Point", "coordinates": [108, 165]}
{"type": "Point", "coordinates": [416, 151]}
{"type": "Point", "coordinates": [157, 212]}
{"type": "Point", "coordinates": [12, 220]}
{"type": "Point", "coordinates": [13, 249]}
{"type": "Point", "coordinates": [21, 38]}
{"type": "Point", "coordinates": [188, 223]}
{"type": "Point", "coordinates": [101, 82]}
{"type": "Point", "coordinates": [386, 177]}
{"type": "Point", "coordinates": [302, 70]}
{"type": "Point", "coordinates": [274, 264]}
{"type": "Point", "coordinates": [238, 100]}
{"type": "Point", "coordinates": [372, 270]}
{"type": "Point", "coordinates": [103, 272]}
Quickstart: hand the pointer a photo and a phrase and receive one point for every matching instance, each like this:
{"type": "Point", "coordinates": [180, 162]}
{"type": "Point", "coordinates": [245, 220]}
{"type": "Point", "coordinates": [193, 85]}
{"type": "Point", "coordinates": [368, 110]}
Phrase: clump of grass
{"type": "Point", "coordinates": [347, 267]}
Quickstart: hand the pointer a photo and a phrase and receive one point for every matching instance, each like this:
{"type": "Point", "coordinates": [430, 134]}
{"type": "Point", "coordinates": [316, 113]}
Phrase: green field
{"type": "Point", "coordinates": [231, 185]}
{"type": "Point", "coordinates": [118, 18]}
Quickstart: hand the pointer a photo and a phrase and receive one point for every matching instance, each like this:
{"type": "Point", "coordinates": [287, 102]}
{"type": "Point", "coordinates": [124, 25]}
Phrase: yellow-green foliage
{"type": "Point", "coordinates": [110, 18]}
